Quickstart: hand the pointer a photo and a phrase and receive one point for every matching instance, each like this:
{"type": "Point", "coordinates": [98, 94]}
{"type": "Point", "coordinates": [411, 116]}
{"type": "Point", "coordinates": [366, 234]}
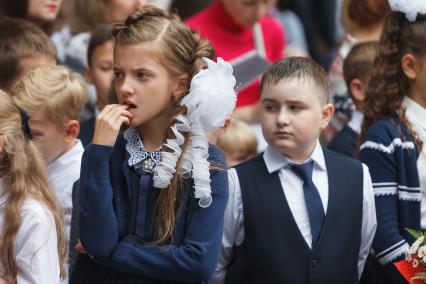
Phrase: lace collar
{"type": "Point", "coordinates": [138, 153]}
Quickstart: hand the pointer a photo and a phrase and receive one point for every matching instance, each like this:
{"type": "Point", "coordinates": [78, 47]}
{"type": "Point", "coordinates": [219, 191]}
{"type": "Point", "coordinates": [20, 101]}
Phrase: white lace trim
{"type": "Point", "coordinates": [390, 148]}
{"type": "Point", "coordinates": [394, 254]}
{"type": "Point", "coordinates": [409, 7]}
{"type": "Point", "coordinates": [392, 188]}
{"type": "Point", "coordinates": [135, 148]}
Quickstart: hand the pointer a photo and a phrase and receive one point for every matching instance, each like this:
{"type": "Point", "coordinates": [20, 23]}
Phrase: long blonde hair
{"type": "Point", "coordinates": [180, 51]}
{"type": "Point", "coordinates": [24, 175]}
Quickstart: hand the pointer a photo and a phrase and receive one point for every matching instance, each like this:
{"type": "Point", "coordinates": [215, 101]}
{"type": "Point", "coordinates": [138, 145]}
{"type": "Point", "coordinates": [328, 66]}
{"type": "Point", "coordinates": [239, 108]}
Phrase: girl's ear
{"type": "Point", "coordinates": [409, 64]}
{"type": "Point", "coordinates": [182, 86]}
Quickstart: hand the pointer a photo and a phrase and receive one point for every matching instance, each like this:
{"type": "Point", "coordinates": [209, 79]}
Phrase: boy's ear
{"type": "Point", "coordinates": [357, 90]}
{"type": "Point", "coordinates": [72, 129]}
{"type": "Point", "coordinates": [87, 75]}
{"type": "Point", "coordinates": [409, 66]}
{"type": "Point", "coordinates": [327, 114]}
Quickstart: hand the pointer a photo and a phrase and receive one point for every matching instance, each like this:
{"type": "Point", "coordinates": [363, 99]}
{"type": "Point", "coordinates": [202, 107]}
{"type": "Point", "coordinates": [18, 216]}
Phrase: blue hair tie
{"type": "Point", "coordinates": [25, 126]}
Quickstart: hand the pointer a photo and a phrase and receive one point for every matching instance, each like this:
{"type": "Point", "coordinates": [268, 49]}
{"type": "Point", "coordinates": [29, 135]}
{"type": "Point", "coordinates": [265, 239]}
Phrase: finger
{"type": "Point", "coordinates": [108, 117]}
{"type": "Point", "coordinates": [119, 113]}
{"type": "Point", "coordinates": [108, 109]}
{"type": "Point", "coordinates": [124, 120]}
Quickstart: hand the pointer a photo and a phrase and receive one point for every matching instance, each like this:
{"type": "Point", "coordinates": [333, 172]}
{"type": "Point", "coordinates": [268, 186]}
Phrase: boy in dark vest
{"type": "Point", "coordinates": [296, 214]}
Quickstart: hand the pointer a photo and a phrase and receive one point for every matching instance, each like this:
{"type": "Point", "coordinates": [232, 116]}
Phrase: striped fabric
{"type": "Point", "coordinates": [391, 157]}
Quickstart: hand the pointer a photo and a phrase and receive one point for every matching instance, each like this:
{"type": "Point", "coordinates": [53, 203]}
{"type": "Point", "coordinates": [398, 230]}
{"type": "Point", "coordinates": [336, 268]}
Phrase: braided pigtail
{"type": "Point", "coordinates": [389, 84]}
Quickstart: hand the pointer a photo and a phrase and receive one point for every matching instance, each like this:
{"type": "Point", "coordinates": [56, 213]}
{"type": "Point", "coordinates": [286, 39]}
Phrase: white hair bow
{"type": "Point", "coordinates": [210, 100]}
{"type": "Point", "coordinates": [409, 7]}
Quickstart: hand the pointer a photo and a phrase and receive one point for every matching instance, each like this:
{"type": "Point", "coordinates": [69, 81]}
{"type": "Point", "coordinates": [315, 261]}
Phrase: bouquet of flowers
{"type": "Point", "coordinates": [414, 267]}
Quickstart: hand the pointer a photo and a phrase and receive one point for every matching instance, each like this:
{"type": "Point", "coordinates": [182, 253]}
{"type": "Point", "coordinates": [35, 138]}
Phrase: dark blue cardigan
{"type": "Point", "coordinates": [104, 215]}
{"type": "Point", "coordinates": [392, 160]}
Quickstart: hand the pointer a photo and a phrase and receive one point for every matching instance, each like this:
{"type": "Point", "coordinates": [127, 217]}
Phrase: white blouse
{"type": "Point", "coordinates": [416, 114]}
{"type": "Point", "coordinates": [35, 245]}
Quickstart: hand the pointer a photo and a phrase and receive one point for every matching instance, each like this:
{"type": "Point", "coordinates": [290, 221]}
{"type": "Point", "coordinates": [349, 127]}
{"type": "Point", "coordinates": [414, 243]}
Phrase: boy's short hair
{"type": "Point", "coordinates": [98, 38]}
{"type": "Point", "coordinates": [19, 39]}
{"type": "Point", "coordinates": [238, 138]}
{"type": "Point", "coordinates": [359, 62]}
{"type": "Point", "coordinates": [55, 93]}
{"type": "Point", "coordinates": [297, 68]}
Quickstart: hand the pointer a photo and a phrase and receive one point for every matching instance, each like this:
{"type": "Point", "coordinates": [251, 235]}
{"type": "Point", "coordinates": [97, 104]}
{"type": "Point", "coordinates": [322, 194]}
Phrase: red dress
{"type": "Point", "coordinates": [230, 41]}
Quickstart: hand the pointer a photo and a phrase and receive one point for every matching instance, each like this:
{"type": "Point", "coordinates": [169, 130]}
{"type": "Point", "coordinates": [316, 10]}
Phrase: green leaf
{"type": "Point", "coordinates": [416, 234]}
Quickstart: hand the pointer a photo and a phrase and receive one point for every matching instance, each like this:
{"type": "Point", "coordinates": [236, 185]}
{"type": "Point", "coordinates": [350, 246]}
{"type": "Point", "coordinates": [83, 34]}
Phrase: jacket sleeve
{"type": "Point", "coordinates": [98, 228]}
{"type": "Point", "coordinates": [380, 153]}
{"type": "Point", "coordinates": [195, 259]}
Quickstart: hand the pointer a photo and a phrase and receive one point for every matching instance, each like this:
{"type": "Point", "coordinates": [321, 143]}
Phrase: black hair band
{"type": "Point", "coordinates": [25, 126]}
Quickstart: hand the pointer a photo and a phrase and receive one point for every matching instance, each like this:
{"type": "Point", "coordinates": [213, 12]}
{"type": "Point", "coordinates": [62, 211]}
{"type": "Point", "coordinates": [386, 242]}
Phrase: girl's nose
{"type": "Point", "coordinates": [125, 88]}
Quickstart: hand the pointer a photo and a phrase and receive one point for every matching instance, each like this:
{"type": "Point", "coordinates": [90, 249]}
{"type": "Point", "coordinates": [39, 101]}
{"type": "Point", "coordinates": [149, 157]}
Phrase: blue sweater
{"type": "Point", "coordinates": [104, 215]}
{"type": "Point", "coordinates": [391, 157]}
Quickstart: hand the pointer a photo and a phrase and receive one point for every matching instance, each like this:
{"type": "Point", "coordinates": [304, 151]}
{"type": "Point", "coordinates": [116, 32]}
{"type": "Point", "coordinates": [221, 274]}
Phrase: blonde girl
{"type": "Point", "coordinates": [33, 246]}
{"type": "Point", "coordinates": [394, 134]}
{"type": "Point", "coordinates": [152, 199]}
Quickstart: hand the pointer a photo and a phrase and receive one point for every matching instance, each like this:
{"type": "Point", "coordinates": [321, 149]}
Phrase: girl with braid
{"type": "Point", "coordinates": [152, 199]}
{"type": "Point", "coordinates": [394, 134]}
{"type": "Point", "coordinates": [33, 246]}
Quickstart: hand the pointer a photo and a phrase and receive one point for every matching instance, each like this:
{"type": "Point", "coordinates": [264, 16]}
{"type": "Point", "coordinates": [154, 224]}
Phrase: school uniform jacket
{"type": "Point", "coordinates": [391, 156]}
{"type": "Point", "coordinates": [105, 220]}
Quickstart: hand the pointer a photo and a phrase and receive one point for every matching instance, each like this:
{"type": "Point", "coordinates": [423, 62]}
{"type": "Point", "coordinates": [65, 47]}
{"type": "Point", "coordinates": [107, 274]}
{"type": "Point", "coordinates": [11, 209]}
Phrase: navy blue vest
{"type": "Point", "coordinates": [274, 250]}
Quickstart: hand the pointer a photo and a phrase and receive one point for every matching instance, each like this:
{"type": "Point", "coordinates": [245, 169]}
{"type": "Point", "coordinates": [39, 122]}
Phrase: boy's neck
{"type": "Point", "coordinates": [68, 146]}
{"type": "Point", "coordinates": [301, 156]}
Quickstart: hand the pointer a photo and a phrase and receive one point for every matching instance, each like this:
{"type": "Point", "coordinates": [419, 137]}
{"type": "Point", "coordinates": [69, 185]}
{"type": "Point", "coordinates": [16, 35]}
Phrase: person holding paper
{"type": "Point", "coordinates": [243, 34]}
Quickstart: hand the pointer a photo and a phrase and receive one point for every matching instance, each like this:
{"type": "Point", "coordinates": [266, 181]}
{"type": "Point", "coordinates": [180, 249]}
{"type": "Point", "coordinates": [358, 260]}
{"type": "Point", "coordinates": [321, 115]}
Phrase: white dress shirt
{"type": "Point", "coordinates": [63, 172]}
{"type": "Point", "coordinates": [416, 114]}
{"type": "Point", "coordinates": [293, 191]}
{"type": "Point", "coordinates": [356, 121]}
{"type": "Point", "coordinates": [35, 245]}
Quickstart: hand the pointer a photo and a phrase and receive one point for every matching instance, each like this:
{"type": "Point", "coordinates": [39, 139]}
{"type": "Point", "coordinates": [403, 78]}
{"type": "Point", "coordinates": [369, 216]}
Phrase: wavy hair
{"type": "Point", "coordinates": [389, 84]}
{"type": "Point", "coordinates": [180, 51]}
{"type": "Point", "coordinates": [25, 176]}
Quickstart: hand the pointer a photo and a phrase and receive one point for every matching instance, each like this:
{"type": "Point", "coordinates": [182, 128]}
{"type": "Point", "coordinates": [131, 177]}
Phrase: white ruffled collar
{"type": "Point", "coordinates": [136, 150]}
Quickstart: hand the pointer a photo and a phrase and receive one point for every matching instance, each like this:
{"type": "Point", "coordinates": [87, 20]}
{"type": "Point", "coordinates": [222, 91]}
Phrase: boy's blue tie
{"type": "Point", "coordinates": [312, 199]}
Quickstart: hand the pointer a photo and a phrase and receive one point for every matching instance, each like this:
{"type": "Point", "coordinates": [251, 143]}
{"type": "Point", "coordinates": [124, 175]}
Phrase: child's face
{"type": "Point", "coordinates": [247, 12]}
{"type": "Point", "coordinates": [118, 10]}
{"type": "Point", "coordinates": [49, 138]}
{"type": "Point", "coordinates": [42, 11]}
{"type": "Point", "coordinates": [100, 72]}
{"type": "Point", "coordinates": [292, 117]}
{"type": "Point", "coordinates": [142, 83]}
